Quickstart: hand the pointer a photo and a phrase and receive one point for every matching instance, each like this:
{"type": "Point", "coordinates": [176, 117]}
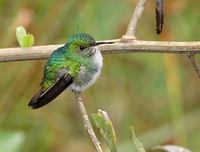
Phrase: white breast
{"type": "Point", "coordinates": [88, 76]}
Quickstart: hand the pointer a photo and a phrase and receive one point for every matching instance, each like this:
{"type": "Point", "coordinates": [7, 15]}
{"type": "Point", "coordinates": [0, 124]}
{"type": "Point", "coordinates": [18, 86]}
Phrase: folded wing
{"type": "Point", "coordinates": [43, 97]}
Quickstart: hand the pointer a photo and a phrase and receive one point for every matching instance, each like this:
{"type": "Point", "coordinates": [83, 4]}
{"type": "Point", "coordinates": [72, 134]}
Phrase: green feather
{"type": "Point", "coordinates": [66, 57]}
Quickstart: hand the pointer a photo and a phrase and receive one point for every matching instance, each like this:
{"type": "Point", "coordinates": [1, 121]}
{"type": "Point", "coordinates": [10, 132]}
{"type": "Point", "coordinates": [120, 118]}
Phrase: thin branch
{"type": "Point", "coordinates": [133, 46]}
{"type": "Point", "coordinates": [194, 62]}
{"type": "Point", "coordinates": [87, 123]}
{"type": "Point", "coordinates": [130, 33]}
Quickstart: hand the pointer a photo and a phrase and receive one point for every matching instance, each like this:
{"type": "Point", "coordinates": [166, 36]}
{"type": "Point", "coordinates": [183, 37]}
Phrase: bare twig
{"type": "Point", "coordinates": [87, 123]}
{"type": "Point", "coordinates": [134, 46]}
{"type": "Point", "coordinates": [194, 62]}
{"type": "Point", "coordinates": [130, 33]}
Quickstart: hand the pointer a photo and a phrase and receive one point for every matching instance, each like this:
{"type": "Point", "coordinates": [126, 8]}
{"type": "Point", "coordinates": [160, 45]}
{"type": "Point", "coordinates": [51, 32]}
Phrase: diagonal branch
{"type": "Point", "coordinates": [194, 62]}
{"type": "Point", "coordinates": [87, 123]}
{"type": "Point", "coordinates": [130, 33]}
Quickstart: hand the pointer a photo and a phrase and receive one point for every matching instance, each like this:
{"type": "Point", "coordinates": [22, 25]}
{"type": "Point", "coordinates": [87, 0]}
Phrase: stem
{"type": "Point", "coordinates": [194, 62]}
{"type": "Point", "coordinates": [130, 33]}
{"type": "Point", "coordinates": [87, 123]}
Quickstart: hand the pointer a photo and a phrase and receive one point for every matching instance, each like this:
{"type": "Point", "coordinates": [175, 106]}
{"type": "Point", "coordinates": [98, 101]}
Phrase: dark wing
{"type": "Point", "coordinates": [44, 97]}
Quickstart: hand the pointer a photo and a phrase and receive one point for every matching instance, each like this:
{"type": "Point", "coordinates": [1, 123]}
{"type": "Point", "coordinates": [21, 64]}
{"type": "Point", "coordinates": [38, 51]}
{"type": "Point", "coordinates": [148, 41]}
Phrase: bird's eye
{"type": "Point", "coordinates": [81, 47]}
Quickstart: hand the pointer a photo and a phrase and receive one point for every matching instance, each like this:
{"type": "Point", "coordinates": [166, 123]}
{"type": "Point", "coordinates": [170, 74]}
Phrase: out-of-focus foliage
{"type": "Point", "coordinates": [138, 146]}
{"type": "Point", "coordinates": [11, 141]}
{"type": "Point", "coordinates": [104, 123]}
{"type": "Point", "coordinates": [170, 148]}
{"type": "Point", "coordinates": [159, 94]}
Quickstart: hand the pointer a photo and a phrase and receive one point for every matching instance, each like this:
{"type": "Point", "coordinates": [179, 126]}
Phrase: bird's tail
{"type": "Point", "coordinates": [43, 97]}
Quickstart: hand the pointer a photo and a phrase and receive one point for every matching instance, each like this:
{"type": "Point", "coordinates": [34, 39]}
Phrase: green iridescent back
{"type": "Point", "coordinates": [66, 57]}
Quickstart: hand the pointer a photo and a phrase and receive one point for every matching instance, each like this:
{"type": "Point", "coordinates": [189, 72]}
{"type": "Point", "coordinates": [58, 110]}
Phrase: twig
{"type": "Point", "coordinates": [130, 33]}
{"type": "Point", "coordinates": [194, 62]}
{"type": "Point", "coordinates": [87, 123]}
{"type": "Point", "coordinates": [134, 46]}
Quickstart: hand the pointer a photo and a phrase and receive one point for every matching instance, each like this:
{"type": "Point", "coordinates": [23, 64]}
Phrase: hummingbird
{"type": "Point", "coordinates": [76, 66]}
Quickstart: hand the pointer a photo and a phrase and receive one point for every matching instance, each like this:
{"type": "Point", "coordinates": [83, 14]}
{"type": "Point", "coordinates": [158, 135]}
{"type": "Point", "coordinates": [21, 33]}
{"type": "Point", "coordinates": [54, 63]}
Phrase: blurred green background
{"type": "Point", "coordinates": [158, 94]}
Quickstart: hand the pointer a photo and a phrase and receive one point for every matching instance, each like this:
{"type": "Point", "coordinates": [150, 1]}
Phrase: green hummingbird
{"type": "Point", "coordinates": [76, 66]}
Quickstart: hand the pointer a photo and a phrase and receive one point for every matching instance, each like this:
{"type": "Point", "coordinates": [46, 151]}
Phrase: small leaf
{"type": "Point", "coordinates": [24, 39]}
{"type": "Point", "coordinates": [20, 33]}
{"type": "Point", "coordinates": [28, 40]}
{"type": "Point", "coordinates": [107, 131]}
{"type": "Point", "coordinates": [137, 144]}
{"type": "Point", "coordinates": [171, 148]}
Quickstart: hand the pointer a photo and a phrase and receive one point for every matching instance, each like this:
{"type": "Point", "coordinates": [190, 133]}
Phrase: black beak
{"type": "Point", "coordinates": [99, 43]}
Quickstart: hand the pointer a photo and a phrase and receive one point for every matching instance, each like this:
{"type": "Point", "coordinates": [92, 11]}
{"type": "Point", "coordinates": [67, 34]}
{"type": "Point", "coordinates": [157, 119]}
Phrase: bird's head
{"type": "Point", "coordinates": [83, 44]}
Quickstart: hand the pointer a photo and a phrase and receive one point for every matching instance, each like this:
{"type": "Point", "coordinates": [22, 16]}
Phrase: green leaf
{"type": "Point", "coordinates": [24, 39]}
{"type": "Point", "coordinates": [107, 131]}
{"type": "Point", "coordinates": [28, 40]}
{"type": "Point", "coordinates": [137, 144]}
{"type": "Point", "coordinates": [11, 141]}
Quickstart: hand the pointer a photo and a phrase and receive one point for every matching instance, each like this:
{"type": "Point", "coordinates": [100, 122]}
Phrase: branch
{"type": "Point", "coordinates": [194, 62]}
{"type": "Point", "coordinates": [133, 46]}
{"type": "Point", "coordinates": [130, 33]}
{"type": "Point", "coordinates": [87, 123]}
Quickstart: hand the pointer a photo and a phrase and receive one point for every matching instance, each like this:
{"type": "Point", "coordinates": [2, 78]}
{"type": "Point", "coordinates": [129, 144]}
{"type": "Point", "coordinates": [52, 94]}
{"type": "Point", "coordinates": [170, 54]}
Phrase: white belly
{"type": "Point", "coordinates": [88, 76]}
